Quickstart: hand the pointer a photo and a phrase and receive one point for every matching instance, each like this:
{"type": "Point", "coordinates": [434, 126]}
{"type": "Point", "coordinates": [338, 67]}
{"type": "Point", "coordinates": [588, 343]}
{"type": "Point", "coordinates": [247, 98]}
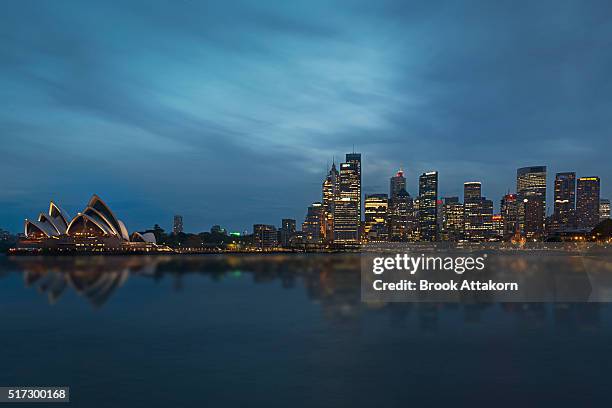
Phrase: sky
{"type": "Point", "coordinates": [230, 112]}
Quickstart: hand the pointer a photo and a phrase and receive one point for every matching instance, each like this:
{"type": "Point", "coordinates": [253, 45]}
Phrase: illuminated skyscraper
{"type": "Point", "coordinates": [331, 191]}
{"type": "Point", "coordinates": [452, 222]}
{"type": "Point", "coordinates": [355, 182]}
{"type": "Point", "coordinates": [477, 213]}
{"type": "Point", "coordinates": [397, 184]}
{"type": "Point", "coordinates": [509, 213]}
{"type": "Point", "coordinates": [347, 208]}
{"type": "Point", "coordinates": [587, 202]}
{"type": "Point", "coordinates": [312, 228]}
{"type": "Point", "coordinates": [604, 209]}
{"type": "Point", "coordinates": [531, 214]}
{"type": "Point", "coordinates": [498, 227]}
{"type": "Point", "coordinates": [472, 190]}
{"type": "Point", "coordinates": [376, 217]}
{"type": "Point", "coordinates": [531, 187]}
{"type": "Point", "coordinates": [428, 214]}
{"type": "Point", "coordinates": [177, 227]}
{"type": "Point", "coordinates": [402, 223]}
{"type": "Point", "coordinates": [565, 194]}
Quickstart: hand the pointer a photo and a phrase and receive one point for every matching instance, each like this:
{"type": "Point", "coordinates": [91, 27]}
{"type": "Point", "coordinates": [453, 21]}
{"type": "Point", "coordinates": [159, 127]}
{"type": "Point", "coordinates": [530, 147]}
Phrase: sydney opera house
{"type": "Point", "coordinates": [95, 229]}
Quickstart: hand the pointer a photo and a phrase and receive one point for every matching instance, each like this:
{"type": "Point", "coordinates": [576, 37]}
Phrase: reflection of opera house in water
{"type": "Point", "coordinates": [95, 229]}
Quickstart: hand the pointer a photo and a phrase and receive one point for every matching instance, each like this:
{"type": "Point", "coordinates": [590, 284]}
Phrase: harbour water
{"type": "Point", "coordinates": [283, 331]}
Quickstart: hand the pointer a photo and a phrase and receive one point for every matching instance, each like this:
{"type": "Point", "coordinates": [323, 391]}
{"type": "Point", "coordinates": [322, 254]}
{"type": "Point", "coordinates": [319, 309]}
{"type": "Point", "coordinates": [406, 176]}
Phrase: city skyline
{"type": "Point", "coordinates": [551, 202]}
{"type": "Point", "coordinates": [230, 113]}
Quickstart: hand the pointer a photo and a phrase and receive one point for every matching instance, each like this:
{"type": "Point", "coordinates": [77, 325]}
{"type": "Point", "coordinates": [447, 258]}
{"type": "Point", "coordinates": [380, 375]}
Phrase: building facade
{"type": "Point", "coordinates": [347, 207]}
{"type": "Point", "coordinates": [376, 227]}
{"type": "Point", "coordinates": [587, 202]}
{"type": "Point", "coordinates": [330, 194]}
{"type": "Point", "coordinates": [428, 214]}
{"type": "Point", "coordinates": [265, 237]}
{"type": "Point", "coordinates": [531, 195]}
{"type": "Point", "coordinates": [604, 209]}
{"type": "Point", "coordinates": [177, 226]}
{"type": "Point", "coordinates": [313, 226]}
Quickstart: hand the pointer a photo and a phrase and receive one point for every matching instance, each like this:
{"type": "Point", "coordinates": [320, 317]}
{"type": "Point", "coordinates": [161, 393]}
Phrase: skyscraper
{"type": "Point", "coordinates": [347, 208]}
{"type": "Point", "coordinates": [331, 190]}
{"type": "Point", "coordinates": [477, 213]}
{"type": "Point", "coordinates": [531, 195]}
{"type": "Point", "coordinates": [587, 202]}
{"type": "Point", "coordinates": [376, 217]}
{"type": "Point", "coordinates": [402, 223]}
{"type": "Point", "coordinates": [312, 227]}
{"type": "Point", "coordinates": [604, 209]}
{"type": "Point", "coordinates": [509, 213]}
{"type": "Point", "coordinates": [428, 197]}
{"type": "Point", "coordinates": [397, 184]}
{"type": "Point", "coordinates": [177, 227]}
{"type": "Point", "coordinates": [287, 231]}
{"type": "Point", "coordinates": [472, 190]}
{"type": "Point", "coordinates": [565, 195]}
{"type": "Point", "coordinates": [355, 183]}
{"type": "Point", "coordinates": [452, 222]}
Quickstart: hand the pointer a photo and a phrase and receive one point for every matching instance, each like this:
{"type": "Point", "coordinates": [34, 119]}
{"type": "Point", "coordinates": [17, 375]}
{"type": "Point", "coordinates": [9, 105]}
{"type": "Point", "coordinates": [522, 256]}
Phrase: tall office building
{"type": "Point", "coordinates": [498, 227]}
{"type": "Point", "coordinates": [265, 236]}
{"type": "Point", "coordinates": [402, 223]}
{"type": "Point", "coordinates": [312, 227]}
{"type": "Point", "coordinates": [531, 195]}
{"type": "Point", "coordinates": [587, 202]}
{"type": "Point", "coordinates": [509, 213]}
{"type": "Point", "coordinates": [564, 206]}
{"type": "Point", "coordinates": [355, 183]}
{"type": "Point", "coordinates": [472, 190]}
{"type": "Point", "coordinates": [531, 216]}
{"type": "Point", "coordinates": [331, 191]}
{"type": "Point", "coordinates": [376, 217]}
{"type": "Point", "coordinates": [428, 198]}
{"type": "Point", "coordinates": [397, 184]}
{"type": "Point", "coordinates": [347, 208]}
{"type": "Point", "coordinates": [477, 213]}
{"type": "Point", "coordinates": [452, 222]}
{"type": "Point", "coordinates": [177, 226]}
{"type": "Point", "coordinates": [604, 209]}
{"type": "Point", "coordinates": [287, 231]}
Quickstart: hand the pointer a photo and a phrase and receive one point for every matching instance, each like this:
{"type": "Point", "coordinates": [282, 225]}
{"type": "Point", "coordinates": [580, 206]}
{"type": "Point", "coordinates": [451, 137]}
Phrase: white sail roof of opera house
{"type": "Point", "coordinates": [97, 218]}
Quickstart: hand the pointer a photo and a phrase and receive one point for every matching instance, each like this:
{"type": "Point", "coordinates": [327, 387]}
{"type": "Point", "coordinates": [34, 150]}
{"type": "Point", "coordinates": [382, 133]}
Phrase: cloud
{"type": "Point", "coordinates": [229, 112]}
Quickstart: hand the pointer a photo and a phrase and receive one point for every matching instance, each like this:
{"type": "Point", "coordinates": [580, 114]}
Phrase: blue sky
{"type": "Point", "coordinates": [229, 112]}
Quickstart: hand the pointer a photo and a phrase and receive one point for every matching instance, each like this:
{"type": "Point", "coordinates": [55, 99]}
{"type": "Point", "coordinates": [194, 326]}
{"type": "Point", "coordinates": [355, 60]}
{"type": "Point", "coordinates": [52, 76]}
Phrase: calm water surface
{"type": "Point", "coordinates": [283, 331]}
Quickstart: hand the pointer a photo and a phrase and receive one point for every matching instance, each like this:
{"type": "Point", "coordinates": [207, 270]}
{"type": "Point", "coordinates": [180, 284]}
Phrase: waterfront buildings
{"type": "Point", "coordinates": [427, 212]}
{"type": "Point", "coordinates": [531, 195]}
{"type": "Point", "coordinates": [177, 226]}
{"type": "Point", "coordinates": [587, 202]}
{"type": "Point", "coordinates": [264, 237]}
{"type": "Point", "coordinates": [376, 217]}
